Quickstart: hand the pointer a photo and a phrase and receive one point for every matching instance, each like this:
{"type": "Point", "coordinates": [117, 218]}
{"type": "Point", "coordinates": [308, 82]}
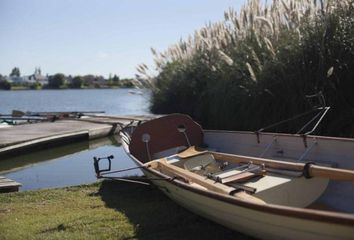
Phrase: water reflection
{"type": "Point", "coordinates": [64, 165]}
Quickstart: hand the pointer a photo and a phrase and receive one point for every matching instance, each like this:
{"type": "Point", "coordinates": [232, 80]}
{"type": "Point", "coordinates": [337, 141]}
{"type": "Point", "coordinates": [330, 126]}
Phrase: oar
{"type": "Point", "coordinates": [311, 169]}
{"type": "Point", "coordinates": [331, 173]}
{"type": "Point", "coordinates": [204, 182]}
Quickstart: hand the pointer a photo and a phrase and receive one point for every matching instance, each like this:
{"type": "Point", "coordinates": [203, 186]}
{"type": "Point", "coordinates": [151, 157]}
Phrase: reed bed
{"type": "Point", "coordinates": [256, 66]}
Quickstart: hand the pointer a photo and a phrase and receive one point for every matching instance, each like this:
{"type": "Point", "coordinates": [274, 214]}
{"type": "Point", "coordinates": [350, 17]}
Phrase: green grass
{"type": "Point", "coordinates": [19, 88]}
{"type": "Point", "coordinates": [107, 210]}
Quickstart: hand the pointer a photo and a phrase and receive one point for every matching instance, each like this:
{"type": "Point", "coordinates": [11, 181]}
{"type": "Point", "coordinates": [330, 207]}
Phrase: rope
{"type": "Point", "coordinates": [309, 122]}
{"type": "Point", "coordinates": [318, 122]}
{"type": "Point", "coordinates": [320, 115]}
{"type": "Point", "coordinates": [321, 107]}
{"type": "Point", "coordinates": [288, 120]}
{"type": "Point", "coordinates": [121, 170]}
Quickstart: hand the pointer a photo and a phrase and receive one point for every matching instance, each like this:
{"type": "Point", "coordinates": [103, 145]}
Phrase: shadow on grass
{"type": "Point", "coordinates": [157, 217]}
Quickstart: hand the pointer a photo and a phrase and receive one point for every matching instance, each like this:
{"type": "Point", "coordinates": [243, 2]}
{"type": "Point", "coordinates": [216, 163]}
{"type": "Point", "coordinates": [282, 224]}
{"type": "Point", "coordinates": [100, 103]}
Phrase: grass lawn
{"type": "Point", "coordinates": [19, 88]}
{"type": "Point", "coordinates": [106, 210]}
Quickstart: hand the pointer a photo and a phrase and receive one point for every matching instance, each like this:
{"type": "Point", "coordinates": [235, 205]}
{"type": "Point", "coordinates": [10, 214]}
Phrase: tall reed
{"type": "Point", "coordinates": [257, 65]}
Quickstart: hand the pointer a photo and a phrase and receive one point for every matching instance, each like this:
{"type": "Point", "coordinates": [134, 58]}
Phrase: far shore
{"type": "Point", "coordinates": [83, 88]}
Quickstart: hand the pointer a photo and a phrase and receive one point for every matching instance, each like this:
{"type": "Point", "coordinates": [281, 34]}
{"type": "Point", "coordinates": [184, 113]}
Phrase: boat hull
{"type": "Point", "coordinates": [267, 221]}
{"type": "Point", "coordinates": [255, 223]}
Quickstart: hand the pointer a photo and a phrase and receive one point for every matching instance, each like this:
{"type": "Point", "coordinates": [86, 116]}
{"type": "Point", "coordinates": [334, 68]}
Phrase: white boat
{"type": "Point", "coordinates": [136, 92]}
{"type": "Point", "coordinates": [266, 185]}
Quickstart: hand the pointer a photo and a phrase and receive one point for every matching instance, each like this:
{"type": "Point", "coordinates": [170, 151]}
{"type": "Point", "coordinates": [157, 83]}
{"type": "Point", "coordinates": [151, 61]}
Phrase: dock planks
{"type": "Point", "coordinates": [28, 137]}
{"type": "Point", "coordinates": [8, 185]}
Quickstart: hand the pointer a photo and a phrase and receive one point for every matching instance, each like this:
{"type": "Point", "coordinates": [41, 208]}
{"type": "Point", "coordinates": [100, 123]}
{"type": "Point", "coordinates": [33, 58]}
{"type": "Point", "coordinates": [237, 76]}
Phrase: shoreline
{"type": "Point", "coordinates": [29, 89]}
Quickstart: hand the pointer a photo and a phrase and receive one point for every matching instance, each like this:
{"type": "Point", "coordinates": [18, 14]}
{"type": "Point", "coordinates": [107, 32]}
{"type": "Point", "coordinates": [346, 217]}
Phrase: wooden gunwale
{"type": "Point", "coordinates": [281, 135]}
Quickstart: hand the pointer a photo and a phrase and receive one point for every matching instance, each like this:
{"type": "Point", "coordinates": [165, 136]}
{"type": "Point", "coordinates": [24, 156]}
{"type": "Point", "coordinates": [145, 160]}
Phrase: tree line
{"type": "Point", "coordinates": [61, 81]}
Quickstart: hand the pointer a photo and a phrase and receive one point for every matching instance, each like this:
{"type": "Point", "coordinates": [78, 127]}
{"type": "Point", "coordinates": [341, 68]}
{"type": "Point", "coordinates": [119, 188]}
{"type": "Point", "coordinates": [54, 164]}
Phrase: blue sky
{"type": "Point", "coordinates": [96, 36]}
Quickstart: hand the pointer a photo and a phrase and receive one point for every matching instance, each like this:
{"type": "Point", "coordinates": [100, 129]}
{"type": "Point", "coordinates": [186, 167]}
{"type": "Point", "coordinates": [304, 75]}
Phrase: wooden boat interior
{"type": "Point", "coordinates": [243, 180]}
{"type": "Point", "coordinates": [246, 167]}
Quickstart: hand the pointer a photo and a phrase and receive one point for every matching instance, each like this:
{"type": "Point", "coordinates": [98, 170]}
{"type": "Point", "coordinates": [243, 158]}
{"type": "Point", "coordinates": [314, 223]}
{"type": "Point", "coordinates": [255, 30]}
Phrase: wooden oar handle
{"type": "Point", "coordinates": [331, 173]}
{"type": "Point", "coordinates": [267, 162]}
{"type": "Point", "coordinates": [312, 171]}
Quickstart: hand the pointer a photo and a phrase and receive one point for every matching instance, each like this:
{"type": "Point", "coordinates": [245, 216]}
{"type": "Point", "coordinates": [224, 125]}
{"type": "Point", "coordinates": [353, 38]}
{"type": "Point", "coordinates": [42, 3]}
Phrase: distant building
{"type": "Point", "coordinates": [15, 79]}
{"type": "Point", "coordinates": [38, 77]}
{"type": "Point", "coordinates": [29, 79]}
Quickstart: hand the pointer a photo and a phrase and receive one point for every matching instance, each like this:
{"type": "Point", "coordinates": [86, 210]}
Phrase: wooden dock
{"type": "Point", "coordinates": [8, 185]}
{"type": "Point", "coordinates": [24, 138]}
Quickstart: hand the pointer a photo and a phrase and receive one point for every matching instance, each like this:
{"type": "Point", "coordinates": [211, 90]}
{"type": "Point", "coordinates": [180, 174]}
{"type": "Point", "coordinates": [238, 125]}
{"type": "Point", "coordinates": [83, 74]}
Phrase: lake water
{"type": "Point", "coordinates": [71, 164]}
{"type": "Point", "coordinates": [112, 101]}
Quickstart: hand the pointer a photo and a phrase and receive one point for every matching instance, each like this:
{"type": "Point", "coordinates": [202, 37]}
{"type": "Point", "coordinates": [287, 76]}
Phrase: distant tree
{"type": "Point", "coordinates": [88, 80]}
{"type": "Point", "coordinates": [15, 72]}
{"type": "Point", "coordinates": [56, 81]}
{"type": "Point", "coordinates": [5, 85]}
{"type": "Point", "coordinates": [35, 86]}
{"type": "Point", "coordinates": [76, 82]}
{"type": "Point", "coordinates": [115, 78]}
{"type": "Point", "coordinates": [126, 83]}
